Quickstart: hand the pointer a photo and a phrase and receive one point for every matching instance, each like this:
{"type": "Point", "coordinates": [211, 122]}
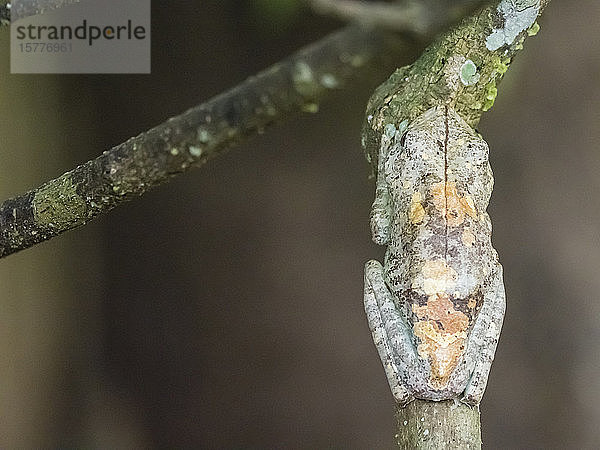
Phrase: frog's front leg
{"type": "Point", "coordinates": [381, 211]}
{"type": "Point", "coordinates": [380, 215]}
{"type": "Point", "coordinates": [484, 338]}
{"type": "Point", "coordinates": [390, 333]}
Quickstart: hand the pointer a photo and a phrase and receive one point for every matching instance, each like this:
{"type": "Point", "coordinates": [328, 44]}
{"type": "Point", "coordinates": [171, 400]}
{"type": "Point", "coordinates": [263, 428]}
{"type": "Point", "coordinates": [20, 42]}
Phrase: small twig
{"type": "Point", "coordinates": [407, 17]}
{"type": "Point", "coordinates": [4, 15]}
{"type": "Point", "coordinates": [29, 8]}
{"type": "Point", "coordinates": [421, 18]}
{"type": "Point", "coordinates": [295, 84]}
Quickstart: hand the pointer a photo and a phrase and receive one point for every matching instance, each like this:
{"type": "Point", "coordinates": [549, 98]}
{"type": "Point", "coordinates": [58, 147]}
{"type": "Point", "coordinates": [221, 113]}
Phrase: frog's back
{"type": "Point", "coordinates": [440, 183]}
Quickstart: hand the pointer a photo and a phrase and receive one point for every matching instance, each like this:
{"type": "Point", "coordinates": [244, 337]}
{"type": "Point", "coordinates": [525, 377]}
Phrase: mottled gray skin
{"type": "Point", "coordinates": [436, 306]}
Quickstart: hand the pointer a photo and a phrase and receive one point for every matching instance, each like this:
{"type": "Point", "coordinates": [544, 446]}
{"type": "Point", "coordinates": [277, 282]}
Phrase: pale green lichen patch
{"type": "Point", "coordinates": [203, 135]}
{"type": "Point", "coordinates": [58, 205]}
{"type": "Point", "coordinates": [468, 73]}
{"type": "Point", "coordinates": [195, 151]}
{"type": "Point", "coordinates": [390, 130]}
{"type": "Point", "coordinates": [534, 29]}
{"type": "Point", "coordinates": [402, 127]}
{"type": "Point", "coordinates": [304, 79]}
{"type": "Point", "coordinates": [329, 81]}
{"type": "Point", "coordinates": [517, 16]}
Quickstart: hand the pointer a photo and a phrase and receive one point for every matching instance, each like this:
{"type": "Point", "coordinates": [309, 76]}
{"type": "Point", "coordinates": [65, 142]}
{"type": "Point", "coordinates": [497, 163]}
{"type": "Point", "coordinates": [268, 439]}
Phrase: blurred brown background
{"type": "Point", "coordinates": [224, 310]}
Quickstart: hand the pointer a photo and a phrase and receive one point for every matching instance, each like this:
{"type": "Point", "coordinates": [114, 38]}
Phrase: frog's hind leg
{"type": "Point", "coordinates": [484, 338]}
{"type": "Point", "coordinates": [389, 331]}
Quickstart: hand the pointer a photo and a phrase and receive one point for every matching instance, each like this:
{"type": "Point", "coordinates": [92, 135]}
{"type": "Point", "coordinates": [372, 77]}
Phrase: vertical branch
{"type": "Point", "coordinates": [461, 70]}
{"type": "Point", "coordinates": [434, 425]}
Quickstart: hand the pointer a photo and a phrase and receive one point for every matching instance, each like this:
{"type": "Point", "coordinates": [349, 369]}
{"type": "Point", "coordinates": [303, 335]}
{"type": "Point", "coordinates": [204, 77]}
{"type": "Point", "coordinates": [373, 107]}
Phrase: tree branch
{"type": "Point", "coordinates": [406, 17]}
{"type": "Point", "coordinates": [436, 425]}
{"type": "Point", "coordinates": [298, 83]}
{"type": "Point", "coordinates": [128, 170]}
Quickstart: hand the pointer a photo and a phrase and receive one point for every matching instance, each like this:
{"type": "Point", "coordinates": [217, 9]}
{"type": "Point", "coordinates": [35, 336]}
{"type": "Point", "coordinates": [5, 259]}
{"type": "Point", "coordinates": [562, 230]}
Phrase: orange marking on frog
{"type": "Point", "coordinates": [416, 212]}
{"type": "Point", "coordinates": [442, 331]}
{"type": "Point", "coordinates": [451, 204]}
{"type": "Point", "coordinates": [467, 237]}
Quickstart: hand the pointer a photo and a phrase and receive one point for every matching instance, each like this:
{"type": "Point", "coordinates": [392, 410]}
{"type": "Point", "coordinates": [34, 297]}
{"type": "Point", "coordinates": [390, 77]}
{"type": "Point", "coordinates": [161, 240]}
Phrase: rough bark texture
{"type": "Point", "coordinates": [438, 425]}
{"type": "Point", "coordinates": [128, 170]}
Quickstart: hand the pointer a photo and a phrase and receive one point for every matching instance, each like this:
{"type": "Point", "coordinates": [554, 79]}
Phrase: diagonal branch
{"type": "Point", "coordinates": [295, 84]}
{"type": "Point", "coordinates": [298, 83]}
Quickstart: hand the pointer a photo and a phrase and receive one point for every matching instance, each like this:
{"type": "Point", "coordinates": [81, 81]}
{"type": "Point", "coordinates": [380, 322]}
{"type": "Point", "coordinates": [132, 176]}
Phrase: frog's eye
{"type": "Point", "coordinates": [390, 130]}
{"type": "Point", "coordinates": [403, 139]}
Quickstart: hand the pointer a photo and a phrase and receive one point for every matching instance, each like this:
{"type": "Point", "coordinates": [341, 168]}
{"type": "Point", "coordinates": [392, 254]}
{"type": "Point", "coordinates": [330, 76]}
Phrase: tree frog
{"type": "Point", "coordinates": [436, 305]}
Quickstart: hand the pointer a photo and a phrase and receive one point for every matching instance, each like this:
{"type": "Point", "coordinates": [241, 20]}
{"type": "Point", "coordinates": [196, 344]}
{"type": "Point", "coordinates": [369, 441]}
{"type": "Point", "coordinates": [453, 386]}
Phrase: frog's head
{"type": "Point", "coordinates": [440, 149]}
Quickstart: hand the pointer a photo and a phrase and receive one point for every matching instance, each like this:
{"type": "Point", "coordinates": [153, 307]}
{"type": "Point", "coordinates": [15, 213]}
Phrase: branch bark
{"type": "Point", "coordinates": [295, 84]}
{"type": "Point", "coordinates": [128, 170]}
{"type": "Point", "coordinates": [435, 425]}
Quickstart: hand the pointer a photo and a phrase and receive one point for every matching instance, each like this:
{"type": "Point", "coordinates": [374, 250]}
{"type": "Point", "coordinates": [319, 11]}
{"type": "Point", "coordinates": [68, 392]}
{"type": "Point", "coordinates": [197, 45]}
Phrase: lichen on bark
{"type": "Point", "coordinates": [58, 205]}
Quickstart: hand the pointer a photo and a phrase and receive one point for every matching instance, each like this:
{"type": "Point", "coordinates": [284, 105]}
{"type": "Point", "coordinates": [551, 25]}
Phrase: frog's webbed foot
{"type": "Point", "coordinates": [484, 338]}
{"type": "Point", "coordinates": [390, 334]}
